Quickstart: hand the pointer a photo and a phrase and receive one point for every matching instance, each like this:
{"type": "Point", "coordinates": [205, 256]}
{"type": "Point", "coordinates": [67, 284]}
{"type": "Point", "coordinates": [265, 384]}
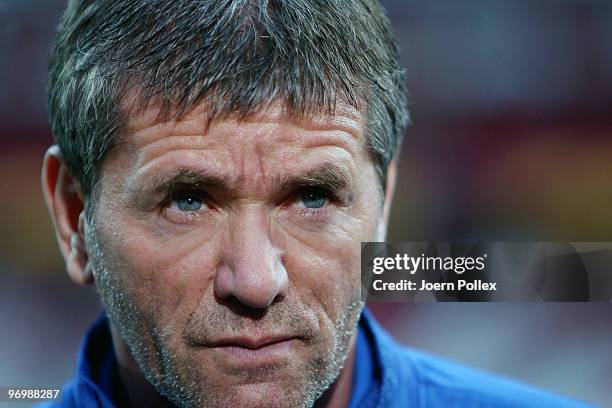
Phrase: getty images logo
{"type": "Point", "coordinates": [413, 264]}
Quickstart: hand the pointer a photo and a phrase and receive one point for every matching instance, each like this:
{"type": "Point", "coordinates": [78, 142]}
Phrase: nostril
{"type": "Point", "coordinates": [240, 309]}
{"type": "Point", "coordinates": [256, 299]}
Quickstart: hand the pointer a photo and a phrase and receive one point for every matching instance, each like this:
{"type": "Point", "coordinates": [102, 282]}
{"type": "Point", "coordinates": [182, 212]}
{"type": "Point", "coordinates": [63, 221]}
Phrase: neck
{"type": "Point", "coordinates": [339, 394]}
{"type": "Point", "coordinates": [137, 391]}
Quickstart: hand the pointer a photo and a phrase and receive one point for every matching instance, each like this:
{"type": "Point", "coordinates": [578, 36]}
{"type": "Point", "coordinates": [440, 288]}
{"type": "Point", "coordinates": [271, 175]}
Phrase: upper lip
{"type": "Point", "coordinates": [252, 343]}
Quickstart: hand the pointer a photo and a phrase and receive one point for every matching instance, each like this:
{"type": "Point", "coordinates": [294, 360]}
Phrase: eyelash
{"type": "Point", "coordinates": [187, 216]}
{"type": "Point", "coordinates": [309, 214]}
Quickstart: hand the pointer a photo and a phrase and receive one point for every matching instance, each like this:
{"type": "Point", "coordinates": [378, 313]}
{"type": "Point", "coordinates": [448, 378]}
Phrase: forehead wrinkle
{"type": "Point", "coordinates": [147, 125]}
{"type": "Point", "coordinates": [191, 140]}
{"type": "Point", "coordinates": [212, 167]}
{"type": "Point", "coordinates": [154, 147]}
{"type": "Point", "coordinates": [189, 150]}
{"type": "Point", "coordinates": [215, 149]}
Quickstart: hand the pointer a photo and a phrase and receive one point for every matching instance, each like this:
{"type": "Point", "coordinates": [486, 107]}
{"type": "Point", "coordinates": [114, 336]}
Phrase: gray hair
{"type": "Point", "coordinates": [237, 56]}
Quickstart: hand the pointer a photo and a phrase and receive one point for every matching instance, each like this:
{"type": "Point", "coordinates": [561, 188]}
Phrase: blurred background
{"type": "Point", "coordinates": [512, 140]}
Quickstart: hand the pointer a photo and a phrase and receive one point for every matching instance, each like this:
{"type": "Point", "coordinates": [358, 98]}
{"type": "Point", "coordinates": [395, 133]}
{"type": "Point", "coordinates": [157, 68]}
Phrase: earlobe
{"type": "Point", "coordinates": [77, 263]}
{"type": "Point", "coordinates": [65, 206]}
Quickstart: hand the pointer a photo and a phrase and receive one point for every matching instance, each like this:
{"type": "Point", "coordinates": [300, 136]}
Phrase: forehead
{"type": "Point", "coordinates": [267, 143]}
{"type": "Point", "coordinates": [147, 124]}
{"type": "Point", "coordinates": [267, 130]}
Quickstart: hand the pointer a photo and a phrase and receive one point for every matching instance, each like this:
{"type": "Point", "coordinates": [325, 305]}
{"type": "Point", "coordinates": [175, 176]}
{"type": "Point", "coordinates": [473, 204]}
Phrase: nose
{"type": "Point", "coordinates": [252, 269]}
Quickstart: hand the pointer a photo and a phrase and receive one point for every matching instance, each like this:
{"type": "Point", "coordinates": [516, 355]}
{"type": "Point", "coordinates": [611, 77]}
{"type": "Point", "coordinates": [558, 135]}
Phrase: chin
{"type": "Point", "coordinates": [279, 386]}
{"type": "Point", "coordinates": [268, 395]}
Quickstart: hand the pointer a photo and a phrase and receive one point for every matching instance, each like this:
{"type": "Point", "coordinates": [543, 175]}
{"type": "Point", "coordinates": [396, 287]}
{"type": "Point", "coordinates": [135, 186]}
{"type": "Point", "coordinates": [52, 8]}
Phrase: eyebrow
{"type": "Point", "coordinates": [328, 175]}
{"type": "Point", "coordinates": [189, 178]}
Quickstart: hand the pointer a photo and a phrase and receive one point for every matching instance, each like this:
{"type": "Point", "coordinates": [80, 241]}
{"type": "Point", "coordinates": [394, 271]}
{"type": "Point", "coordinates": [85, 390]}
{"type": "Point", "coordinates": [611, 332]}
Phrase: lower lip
{"type": "Point", "coordinates": [269, 354]}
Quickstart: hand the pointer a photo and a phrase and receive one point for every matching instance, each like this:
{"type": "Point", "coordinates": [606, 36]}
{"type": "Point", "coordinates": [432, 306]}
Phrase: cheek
{"type": "Point", "coordinates": [325, 268]}
{"type": "Point", "coordinates": [333, 279]}
{"type": "Point", "coordinates": [164, 278]}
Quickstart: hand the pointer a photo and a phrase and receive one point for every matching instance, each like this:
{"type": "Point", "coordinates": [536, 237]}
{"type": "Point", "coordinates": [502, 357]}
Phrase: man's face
{"type": "Point", "coordinates": [228, 258]}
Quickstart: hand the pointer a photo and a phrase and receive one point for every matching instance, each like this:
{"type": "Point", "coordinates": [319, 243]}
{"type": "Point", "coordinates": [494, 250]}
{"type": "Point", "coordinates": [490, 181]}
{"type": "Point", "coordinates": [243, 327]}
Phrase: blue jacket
{"type": "Point", "coordinates": [387, 375]}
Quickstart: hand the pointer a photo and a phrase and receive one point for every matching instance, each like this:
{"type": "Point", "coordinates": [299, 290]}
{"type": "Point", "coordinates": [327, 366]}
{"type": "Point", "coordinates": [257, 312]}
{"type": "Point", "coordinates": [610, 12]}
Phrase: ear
{"type": "Point", "coordinates": [381, 233]}
{"type": "Point", "coordinates": [65, 204]}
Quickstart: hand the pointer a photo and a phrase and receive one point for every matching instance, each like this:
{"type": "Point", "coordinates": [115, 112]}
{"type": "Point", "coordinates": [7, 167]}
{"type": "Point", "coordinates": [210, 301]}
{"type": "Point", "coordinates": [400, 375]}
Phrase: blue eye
{"type": "Point", "coordinates": [314, 198]}
{"type": "Point", "coordinates": [187, 202]}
